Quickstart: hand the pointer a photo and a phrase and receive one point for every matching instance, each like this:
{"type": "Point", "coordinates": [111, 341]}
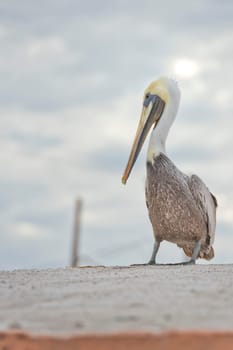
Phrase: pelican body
{"type": "Point", "coordinates": [181, 208]}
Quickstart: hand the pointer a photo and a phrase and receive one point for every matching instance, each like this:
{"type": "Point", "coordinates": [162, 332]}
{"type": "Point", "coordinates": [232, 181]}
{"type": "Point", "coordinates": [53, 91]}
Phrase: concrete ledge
{"type": "Point", "coordinates": [121, 341]}
{"type": "Point", "coordinates": [111, 308]}
{"type": "Point", "coordinates": [65, 302]}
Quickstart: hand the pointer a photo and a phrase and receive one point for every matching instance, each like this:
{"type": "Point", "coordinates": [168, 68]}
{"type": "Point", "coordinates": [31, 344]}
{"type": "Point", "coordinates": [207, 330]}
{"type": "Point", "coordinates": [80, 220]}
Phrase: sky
{"type": "Point", "coordinates": [72, 77]}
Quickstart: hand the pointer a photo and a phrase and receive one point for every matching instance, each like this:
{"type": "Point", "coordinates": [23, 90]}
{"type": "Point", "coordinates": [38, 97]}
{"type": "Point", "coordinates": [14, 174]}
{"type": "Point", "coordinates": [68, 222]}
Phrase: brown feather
{"type": "Point", "coordinates": [181, 208]}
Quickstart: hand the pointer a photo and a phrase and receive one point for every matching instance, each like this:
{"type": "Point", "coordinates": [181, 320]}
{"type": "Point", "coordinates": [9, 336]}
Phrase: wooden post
{"type": "Point", "coordinates": [76, 233]}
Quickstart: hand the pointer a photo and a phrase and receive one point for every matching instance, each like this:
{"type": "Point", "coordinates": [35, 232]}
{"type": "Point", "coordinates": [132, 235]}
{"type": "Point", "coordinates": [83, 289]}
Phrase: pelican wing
{"type": "Point", "coordinates": [206, 203]}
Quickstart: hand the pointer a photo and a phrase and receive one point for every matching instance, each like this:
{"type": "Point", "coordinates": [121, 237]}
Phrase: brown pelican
{"type": "Point", "coordinates": [181, 208]}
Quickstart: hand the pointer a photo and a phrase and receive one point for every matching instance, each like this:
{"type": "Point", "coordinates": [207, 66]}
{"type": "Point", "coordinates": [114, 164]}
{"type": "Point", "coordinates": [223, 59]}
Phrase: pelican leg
{"type": "Point", "coordinates": [195, 254]}
{"type": "Point", "coordinates": [192, 261]}
{"type": "Point", "coordinates": [152, 260]}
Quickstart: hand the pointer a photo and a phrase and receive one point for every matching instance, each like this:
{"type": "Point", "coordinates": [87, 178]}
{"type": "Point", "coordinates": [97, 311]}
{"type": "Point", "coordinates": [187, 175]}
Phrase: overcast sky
{"type": "Point", "coordinates": [72, 75]}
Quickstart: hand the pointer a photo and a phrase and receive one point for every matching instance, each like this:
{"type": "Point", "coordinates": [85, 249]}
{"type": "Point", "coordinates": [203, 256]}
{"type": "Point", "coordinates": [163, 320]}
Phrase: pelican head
{"type": "Point", "coordinates": [159, 95]}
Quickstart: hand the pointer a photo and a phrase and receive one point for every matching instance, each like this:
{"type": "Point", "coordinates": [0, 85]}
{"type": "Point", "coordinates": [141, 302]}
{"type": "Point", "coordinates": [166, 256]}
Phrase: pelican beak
{"type": "Point", "coordinates": [151, 112]}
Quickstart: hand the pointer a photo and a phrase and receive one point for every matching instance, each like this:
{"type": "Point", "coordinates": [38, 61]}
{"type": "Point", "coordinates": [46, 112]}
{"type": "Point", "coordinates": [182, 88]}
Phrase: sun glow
{"type": "Point", "coordinates": [185, 68]}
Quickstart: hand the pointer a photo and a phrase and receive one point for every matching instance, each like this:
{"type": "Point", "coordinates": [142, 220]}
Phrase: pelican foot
{"type": "Point", "coordinates": [151, 262]}
{"type": "Point", "coordinates": [145, 264]}
{"type": "Point", "coordinates": [189, 262]}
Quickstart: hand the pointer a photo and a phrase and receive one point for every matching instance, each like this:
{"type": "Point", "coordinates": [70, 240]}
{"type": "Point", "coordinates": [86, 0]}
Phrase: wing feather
{"type": "Point", "coordinates": [206, 203]}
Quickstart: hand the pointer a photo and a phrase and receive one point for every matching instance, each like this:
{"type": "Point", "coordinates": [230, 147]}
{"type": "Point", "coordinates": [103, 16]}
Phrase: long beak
{"type": "Point", "coordinates": [149, 116]}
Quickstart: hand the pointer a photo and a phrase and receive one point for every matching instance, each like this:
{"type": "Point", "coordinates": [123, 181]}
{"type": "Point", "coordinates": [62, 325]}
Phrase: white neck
{"type": "Point", "coordinates": [157, 143]}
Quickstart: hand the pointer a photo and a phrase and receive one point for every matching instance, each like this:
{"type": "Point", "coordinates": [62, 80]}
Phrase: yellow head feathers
{"type": "Point", "coordinates": [160, 88]}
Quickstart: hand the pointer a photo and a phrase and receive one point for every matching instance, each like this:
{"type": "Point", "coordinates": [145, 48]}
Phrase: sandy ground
{"type": "Point", "coordinates": [114, 299]}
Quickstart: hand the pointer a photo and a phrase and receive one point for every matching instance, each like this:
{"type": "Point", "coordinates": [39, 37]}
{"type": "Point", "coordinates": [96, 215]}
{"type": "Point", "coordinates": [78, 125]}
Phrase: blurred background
{"type": "Point", "coordinates": [72, 76]}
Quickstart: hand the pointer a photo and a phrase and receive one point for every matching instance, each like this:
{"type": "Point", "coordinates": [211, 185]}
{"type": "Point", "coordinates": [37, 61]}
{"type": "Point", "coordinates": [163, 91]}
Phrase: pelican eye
{"type": "Point", "coordinates": [147, 99]}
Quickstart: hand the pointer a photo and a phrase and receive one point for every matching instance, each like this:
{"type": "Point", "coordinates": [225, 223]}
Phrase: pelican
{"type": "Point", "coordinates": [181, 208]}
